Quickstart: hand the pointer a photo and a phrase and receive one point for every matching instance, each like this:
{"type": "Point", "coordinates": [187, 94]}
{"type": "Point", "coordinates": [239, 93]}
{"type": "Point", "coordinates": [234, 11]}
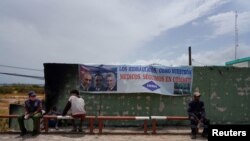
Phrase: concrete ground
{"type": "Point", "coordinates": [109, 134]}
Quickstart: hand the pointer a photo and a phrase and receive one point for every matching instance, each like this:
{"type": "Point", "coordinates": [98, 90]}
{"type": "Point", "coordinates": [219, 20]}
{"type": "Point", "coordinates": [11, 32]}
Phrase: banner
{"type": "Point", "coordinates": [135, 79]}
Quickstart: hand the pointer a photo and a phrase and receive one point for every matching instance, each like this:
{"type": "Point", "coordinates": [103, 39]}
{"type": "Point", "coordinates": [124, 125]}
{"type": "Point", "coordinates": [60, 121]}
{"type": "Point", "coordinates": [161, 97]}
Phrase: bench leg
{"type": "Point", "coordinates": [46, 126]}
{"type": "Point", "coordinates": [91, 126]}
{"type": "Point", "coordinates": [100, 125]}
{"type": "Point", "coordinates": [154, 126]}
{"type": "Point", "coordinates": [145, 126]}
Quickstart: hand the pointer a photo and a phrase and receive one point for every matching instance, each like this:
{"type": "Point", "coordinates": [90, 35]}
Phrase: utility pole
{"type": "Point", "coordinates": [236, 36]}
{"type": "Point", "coordinates": [189, 56]}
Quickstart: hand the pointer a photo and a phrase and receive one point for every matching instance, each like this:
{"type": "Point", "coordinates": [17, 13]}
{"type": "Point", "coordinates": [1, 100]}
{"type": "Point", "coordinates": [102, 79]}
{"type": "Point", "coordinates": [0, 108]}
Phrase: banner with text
{"type": "Point", "coordinates": [135, 79]}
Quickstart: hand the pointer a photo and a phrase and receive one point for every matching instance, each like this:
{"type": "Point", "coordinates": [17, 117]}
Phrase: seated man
{"type": "Point", "coordinates": [196, 113]}
{"type": "Point", "coordinates": [76, 104]}
{"type": "Point", "coordinates": [33, 110]}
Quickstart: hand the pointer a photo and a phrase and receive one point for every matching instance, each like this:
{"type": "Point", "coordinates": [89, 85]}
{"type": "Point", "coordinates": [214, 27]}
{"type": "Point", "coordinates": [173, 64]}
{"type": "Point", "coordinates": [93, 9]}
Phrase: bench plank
{"type": "Point", "coordinates": [102, 118]}
{"type": "Point", "coordinates": [154, 122]}
{"type": "Point", "coordinates": [47, 117]}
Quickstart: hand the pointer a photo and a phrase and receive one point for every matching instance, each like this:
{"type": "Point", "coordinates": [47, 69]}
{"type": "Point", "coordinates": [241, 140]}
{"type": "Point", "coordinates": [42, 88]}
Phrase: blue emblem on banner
{"type": "Point", "coordinates": [151, 86]}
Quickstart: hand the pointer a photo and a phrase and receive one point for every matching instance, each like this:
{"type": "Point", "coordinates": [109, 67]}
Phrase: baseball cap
{"type": "Point", "coordinates": [197, 94]}
{"type": "Point", "coordinates": [32, 93]}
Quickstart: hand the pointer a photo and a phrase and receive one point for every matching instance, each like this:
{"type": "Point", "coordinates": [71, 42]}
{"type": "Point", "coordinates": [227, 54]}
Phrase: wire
{"type": "Point", "coordinates": [6, 66]}
{"type": "Point", "coordinates": [23, 75]}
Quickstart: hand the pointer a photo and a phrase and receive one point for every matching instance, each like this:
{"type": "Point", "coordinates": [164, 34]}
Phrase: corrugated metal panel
{"type": "Point", "coordinates": [224, 90]}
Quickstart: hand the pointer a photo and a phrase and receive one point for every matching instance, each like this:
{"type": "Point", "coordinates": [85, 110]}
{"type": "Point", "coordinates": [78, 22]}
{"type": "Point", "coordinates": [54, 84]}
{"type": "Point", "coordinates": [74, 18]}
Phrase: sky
{"type": "Point", "coordinates": [137, 32]}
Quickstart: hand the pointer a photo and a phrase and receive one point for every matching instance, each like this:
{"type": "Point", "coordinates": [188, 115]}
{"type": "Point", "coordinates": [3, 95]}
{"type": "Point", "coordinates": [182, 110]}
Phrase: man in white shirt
{"type": "Point", "coordinates": [77, 106]}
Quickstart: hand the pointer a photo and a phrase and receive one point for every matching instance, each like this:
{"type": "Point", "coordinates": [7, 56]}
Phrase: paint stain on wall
{"type": "Point", "coordinates": [238, 79]}
{"type": "Point", "coordinates": [213, 95]}
{"type": "Point", "coordinates": [161, 106]}
{"type": "Point", "coordinates": [241, 93]}
{"type": "Point", "coordinates": [138, 107]}
{"type": "Point", "coordinates": [125, 113]}
{"type": "Point", "coordinates": [221, 109]}
{"type": "Point", "coordinates": [148, 98]}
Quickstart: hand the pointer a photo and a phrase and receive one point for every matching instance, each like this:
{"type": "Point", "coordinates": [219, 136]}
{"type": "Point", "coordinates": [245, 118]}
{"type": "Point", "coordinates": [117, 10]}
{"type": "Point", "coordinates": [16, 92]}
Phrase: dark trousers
{"type": "Point", "coordinates": [194, 120]}
{"type": "Point", "coordinates": [78, 118]}
{"type": "Point", "coordinates": [36, 122]}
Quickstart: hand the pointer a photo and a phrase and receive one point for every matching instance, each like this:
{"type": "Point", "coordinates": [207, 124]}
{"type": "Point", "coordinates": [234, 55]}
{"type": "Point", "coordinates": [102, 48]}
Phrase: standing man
{"type": "Point", "coordinates": [86, 82]}
{"type": "Point", "coordinates": [111, 82]}
{"type": "Point", "coordinates": [77, 106]}
{"type": "Point", "coordinates": [197, 114]}
{"type": "Point", "coordinates": [33, 110]}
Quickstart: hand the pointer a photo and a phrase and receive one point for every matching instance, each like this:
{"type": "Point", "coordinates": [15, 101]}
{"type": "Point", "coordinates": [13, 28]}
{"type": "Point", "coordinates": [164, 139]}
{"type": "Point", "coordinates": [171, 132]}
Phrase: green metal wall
{"type": "Point", "coordinates": [225, 91]}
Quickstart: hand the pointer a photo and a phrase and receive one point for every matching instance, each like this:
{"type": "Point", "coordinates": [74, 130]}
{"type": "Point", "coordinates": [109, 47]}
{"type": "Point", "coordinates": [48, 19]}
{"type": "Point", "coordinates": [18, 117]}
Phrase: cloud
{"type": "Point", "coordinates": [89, 31]}
{"type": "Point", "coordinates": [224, 23]}
{"type": "Point", "coordinates": [205, 58]}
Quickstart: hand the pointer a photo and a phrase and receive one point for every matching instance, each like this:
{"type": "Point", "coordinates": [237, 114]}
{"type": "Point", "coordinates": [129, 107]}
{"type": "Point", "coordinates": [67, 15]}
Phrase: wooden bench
{"type": "Point", "coordinates": [9, 116]}
{"type": "Point", "coordinates": [102, 118]}
{"type": "Point", "coordinates": [155, 118]}
{"type": "Point", "coordinates": [12, 116]}
{"type": "Point", "coordinates": [47, 117]}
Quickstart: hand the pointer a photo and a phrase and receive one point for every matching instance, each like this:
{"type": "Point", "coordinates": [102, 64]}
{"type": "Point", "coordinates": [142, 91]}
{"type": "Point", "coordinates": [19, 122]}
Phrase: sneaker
{"type": "Point", "coordinates": [23, 133]}
{"type": "Point", "coordinates": [193, 136]}
{"type": "Point", "coordinates": [35, 133]}
{"type": "Point", "coordinates": [73, 130]}
{"type": "Point", "coordinates": [80, 130]}
{"type": "Point", "coordinates": [204, 135]}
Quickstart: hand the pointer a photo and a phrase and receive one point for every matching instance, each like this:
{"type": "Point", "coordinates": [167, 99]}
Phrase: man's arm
{"type": "Point", "coordinates": [26, 113]}
{"type": "Point", "coordinates": [39, 107]}
{"type": "Point", "coordinates": [203, 112]}
{"type": "Point", "coordinates": [66, 109]}
{"type": "Point", "coordinates": [190, 113]}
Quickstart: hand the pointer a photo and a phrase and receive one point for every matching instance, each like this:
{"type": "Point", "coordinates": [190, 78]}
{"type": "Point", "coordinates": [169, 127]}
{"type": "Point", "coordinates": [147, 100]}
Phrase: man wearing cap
{"type": "Point", "coordinates": [33, 108]}
{"type": "Point", "coordinates": [196, 113]}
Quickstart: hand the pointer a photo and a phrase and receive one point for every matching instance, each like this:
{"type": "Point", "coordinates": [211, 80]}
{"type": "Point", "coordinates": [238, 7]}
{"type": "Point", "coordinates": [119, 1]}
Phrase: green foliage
{"type": "Point", "coordinates": [20, 88]}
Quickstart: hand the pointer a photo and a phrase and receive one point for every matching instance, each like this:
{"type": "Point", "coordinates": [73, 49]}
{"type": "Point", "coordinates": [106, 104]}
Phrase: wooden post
{"type": "Point", "coordinates": [100, 125]}
{"type": "Point", "coordinates": [154, 126]}
{"type": "Point", "coordinates": [91, 125]}
{"type": "Point", "coordinates": [46, 126]}
{"type": "Point", "coordinates": [145, 126]}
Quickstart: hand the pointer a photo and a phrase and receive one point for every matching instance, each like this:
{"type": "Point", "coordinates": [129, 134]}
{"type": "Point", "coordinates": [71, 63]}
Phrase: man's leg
{"type": "Point", "coordinates": [80, 125]}
{"type": "Point", "coordinates": [74, 125]}
{"type": "Point", "coordinates": [56, 126]}
{"type": "Point", "coordinates": [194, 124]}
{"type": "Point", "coordinates": [81, 117]}
{"type": "Point", "coordinates": [36, 123]}
{"type": "Point", "coordinates": [21, 125]}
{"type": "Point", "coordinates": [206, 123]}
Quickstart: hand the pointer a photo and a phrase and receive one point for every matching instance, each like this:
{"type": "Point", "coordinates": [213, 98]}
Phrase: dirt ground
{"type": "Point", "coordinates": [109, 134]}
{"type": "Point", "coordinates": [80, 137]}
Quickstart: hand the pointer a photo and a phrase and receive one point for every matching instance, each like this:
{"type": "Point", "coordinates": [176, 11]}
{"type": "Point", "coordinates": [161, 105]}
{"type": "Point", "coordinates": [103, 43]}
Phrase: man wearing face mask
{"type": "Point", "coordinates": [197, 114]}
{"type": "Point", "coordinates": [33, 110]}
